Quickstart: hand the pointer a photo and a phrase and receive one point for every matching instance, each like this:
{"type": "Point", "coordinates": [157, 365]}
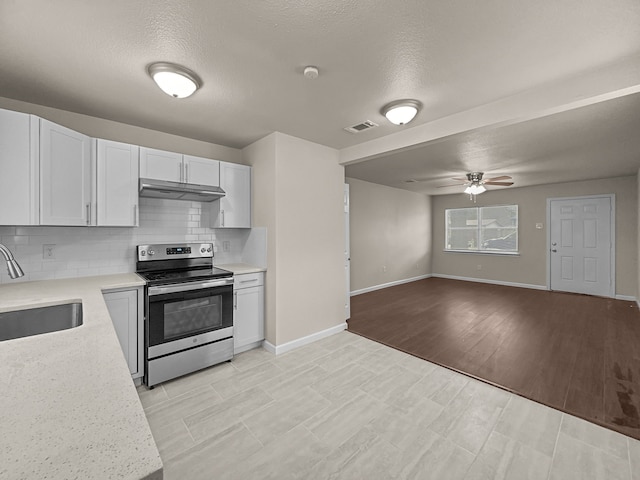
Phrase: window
{"type": "Point", "coordinates": [482, 229]}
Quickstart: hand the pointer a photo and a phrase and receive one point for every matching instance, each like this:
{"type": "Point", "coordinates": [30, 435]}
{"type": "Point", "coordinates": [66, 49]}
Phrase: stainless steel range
{"type": "Point", "coordinates": [188, 310]}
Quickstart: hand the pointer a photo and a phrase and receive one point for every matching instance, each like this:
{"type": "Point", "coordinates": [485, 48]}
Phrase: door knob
{"type": "Point", "coordinates": [554, 244]}
{"type": "Point", "coordinates": [554, 250]}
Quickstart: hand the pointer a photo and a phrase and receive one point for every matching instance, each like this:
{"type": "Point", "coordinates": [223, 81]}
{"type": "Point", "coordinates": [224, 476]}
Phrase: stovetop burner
{"type": "Point", "coordinates": [181, 276]}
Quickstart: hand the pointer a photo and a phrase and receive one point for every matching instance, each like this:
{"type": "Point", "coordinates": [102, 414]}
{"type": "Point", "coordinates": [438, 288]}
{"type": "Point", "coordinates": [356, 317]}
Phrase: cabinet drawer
{"type": "Point", "coordinates": [247, 280]}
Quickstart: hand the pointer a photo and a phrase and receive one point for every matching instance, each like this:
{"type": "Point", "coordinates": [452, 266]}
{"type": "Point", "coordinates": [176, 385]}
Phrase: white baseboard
{"type": "Point", "coordinates": [493, 282]}
{"type": "Point", "coordinates": [387, 285]}
{"type": "Point", "coordinates": [286, 347]}
{"type": "Point", "coordinates": [629, 298]}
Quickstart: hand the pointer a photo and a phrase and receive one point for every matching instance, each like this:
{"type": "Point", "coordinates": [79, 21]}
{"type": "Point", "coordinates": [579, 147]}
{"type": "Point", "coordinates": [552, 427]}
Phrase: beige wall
{"type": "Point", "coordinates": [389, 228]}
{"type": "Point", "coordinates": [121, 132]}
{"type": "Point", "coordinates": [298, 192]}
{"type": "Point", "coordinates": [638, 232]}
{"type": "Point", "coordinates": [261, 155]}
{"type": "Point", "coordinates": [531, 266]}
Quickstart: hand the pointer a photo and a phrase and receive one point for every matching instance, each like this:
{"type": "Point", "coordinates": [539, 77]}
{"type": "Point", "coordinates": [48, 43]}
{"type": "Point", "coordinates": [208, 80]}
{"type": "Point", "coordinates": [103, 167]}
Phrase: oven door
{"type": "Point", "coordinates": [188, 315]}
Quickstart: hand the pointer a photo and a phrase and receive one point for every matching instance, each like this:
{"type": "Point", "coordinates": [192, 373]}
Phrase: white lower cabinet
{"type": "Point", "coordinates": [127, 312]}
{"type": "Point", "coordinates": [248, 311]}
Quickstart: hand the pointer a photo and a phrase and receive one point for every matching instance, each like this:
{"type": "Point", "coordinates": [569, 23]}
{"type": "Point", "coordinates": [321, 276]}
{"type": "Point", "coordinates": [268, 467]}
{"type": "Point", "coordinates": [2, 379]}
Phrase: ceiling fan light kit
{"type": "Point", "coordinates": [401, 112]}
{"type": "Point", "coordinates": [475, 185]}
{"type": "Point", "coordinates": [174, 80]}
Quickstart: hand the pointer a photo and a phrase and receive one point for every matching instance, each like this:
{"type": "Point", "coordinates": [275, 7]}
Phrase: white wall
{"type": "Point", "coordinates": [390, 232]}
{"type": "Point", "coordinates": [298, 196]}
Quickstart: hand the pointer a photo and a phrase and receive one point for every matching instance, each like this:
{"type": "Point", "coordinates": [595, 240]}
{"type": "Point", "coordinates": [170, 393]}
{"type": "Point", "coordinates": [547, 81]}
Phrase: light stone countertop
{"type": "Point", "coordinates": [68, 405]}
{"type": "Point", "coordinates": [241, 268]}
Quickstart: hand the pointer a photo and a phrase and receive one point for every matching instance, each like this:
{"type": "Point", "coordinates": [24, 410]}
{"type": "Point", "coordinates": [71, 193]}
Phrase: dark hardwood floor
{"type": "Point", "coordinates": [576, 353]}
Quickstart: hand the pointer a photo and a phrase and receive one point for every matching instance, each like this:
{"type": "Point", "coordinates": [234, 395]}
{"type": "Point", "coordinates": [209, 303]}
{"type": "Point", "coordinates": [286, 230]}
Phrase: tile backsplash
{"type": "Point", "coordinates": [84, 251]}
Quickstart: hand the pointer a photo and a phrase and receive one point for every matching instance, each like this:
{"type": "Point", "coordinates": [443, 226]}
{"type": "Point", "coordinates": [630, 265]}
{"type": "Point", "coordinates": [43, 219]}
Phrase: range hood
{"type": "Point", "coordinates": [179, 191]}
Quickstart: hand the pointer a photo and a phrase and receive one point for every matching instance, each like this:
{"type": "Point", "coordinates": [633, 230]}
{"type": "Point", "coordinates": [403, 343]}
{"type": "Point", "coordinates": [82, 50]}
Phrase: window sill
{"type": "Point", "coordinates": [485, 252]}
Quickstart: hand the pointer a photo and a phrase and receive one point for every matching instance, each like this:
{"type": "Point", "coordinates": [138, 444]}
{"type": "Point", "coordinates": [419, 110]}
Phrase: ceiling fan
{"type": "Point", "coordinates": [475, 185]}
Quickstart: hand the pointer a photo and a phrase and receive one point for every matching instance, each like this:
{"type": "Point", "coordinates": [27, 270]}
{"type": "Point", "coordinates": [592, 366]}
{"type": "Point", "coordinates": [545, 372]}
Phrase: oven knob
{"type": "Point", "coordinates": [202, 250]}
{"type": "Point", "coordinates": [143, 253]}
{"type": "Point", "coordinates": [151, 252]}
{"type": "Point", "coordinates": [209, 249]}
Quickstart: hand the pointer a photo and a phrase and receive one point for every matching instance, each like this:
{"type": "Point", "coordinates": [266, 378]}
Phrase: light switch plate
{"type": "Point", "coordinates": [539, 226]}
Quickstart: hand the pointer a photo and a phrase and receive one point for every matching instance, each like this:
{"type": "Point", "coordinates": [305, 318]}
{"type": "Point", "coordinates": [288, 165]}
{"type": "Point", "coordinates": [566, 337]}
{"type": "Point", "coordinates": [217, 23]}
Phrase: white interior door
{"type": "Point", "coordinates": [347, 255]}
{"type": "Point", "coordinates": [581, 245]}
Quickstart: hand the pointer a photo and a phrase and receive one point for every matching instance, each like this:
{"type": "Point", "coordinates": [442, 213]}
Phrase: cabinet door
{"type": "Point", "coordinates": [248, 319]}
{"type": "Point", "coordinates": [65, 176]}
{"type": "Point", "coordinates": [117, 183]}
{"type": "Point", "coordinates": [19, 185]}
{"type": "Point", "coordinates": [235, 207]}
{"type": "Point", "coordinates": [160, 165]}
{"type": "Point", "coordinates": [123, 309]}
{"type": "Point", "coordinates": [201, 171]}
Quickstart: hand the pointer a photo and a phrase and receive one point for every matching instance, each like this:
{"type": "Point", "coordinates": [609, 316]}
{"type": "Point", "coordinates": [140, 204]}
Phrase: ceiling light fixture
{"type": "Point", "coordinates": [174, 80]}
{"type": "Point", "coordinates": [475, 189]}
{"type": "Point", "coordinates": [401, 112]}
{"type": "Point", "coordinates": [311, 72]}
{"type": "Point", "coordinates": [476, 186]}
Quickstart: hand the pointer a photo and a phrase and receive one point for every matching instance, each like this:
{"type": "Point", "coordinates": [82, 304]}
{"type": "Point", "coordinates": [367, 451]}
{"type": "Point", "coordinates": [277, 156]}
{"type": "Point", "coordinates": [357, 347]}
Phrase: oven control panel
{"type": "Point", "coordinates": [178, 250]}
{"type": "Point", "coordinates": [172, 251]}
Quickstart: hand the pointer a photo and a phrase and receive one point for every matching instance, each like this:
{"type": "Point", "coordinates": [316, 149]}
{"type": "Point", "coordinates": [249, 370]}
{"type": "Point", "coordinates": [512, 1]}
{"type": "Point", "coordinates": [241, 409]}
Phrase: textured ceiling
{"type": "Point", "coordinates": [597, 141]}
{"type": "Point", "coordinates": [91, 57]}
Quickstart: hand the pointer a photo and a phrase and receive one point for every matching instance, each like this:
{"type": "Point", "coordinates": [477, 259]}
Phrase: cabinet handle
{"type": "Point", "coordinates": [186, 173]}
{"type": "Point", "coordinates": [88, 214]}
{"type": "Point", "coordinates": [222, 214]}
{"type": "Point", "coordinates": [235, 300]}
{"type": "Point", "coordinates": [249, 281]}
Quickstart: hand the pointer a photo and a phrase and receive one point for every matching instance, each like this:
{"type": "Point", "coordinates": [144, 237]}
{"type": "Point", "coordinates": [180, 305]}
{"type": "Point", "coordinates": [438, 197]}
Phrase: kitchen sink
{"type": "Point", "coordinates": [34, 321]}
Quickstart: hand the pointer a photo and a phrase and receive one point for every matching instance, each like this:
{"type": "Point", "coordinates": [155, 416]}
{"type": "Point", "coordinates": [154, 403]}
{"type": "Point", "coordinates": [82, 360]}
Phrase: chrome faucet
{"type": "Point", "coordinates": [12, 266]}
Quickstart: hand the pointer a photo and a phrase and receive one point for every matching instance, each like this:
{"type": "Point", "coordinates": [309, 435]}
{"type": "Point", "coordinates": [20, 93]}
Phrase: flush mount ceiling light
{"type": "Point", "coordinates": [401, 112]}
{"type": "Point", "coordinates": [174, 80]}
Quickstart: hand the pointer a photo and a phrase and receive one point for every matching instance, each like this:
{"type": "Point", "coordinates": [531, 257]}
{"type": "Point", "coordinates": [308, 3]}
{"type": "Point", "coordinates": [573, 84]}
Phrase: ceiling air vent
{"type": "Point", "coordinates": [361, 127]}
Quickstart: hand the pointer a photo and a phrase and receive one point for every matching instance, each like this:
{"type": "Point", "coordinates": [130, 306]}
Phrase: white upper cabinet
{"type": "Point", "coordinates": [175, 167]}
{"type": "Point", "coordinates": [235, 207]}
{"type": "Point", "coordinates": [65, 176]}
{"type": "Point", "coordinates": [116, 183]}
{"type": "Point", "coordinates": [160, 165]}
{"type": "Point", "coordinates": [201, 171]}
{"type": "Point", "coordinates": [19, 172]}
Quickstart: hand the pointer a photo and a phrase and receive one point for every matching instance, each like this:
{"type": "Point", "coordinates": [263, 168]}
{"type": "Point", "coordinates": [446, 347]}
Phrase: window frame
{"type": "Point", "coordinates": [478, 229]}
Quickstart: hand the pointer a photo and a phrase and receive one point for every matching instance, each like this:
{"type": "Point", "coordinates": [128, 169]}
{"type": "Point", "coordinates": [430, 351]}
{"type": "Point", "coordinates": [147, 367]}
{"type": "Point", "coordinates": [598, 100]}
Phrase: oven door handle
{"type": "Point", "coordinates": [185, 287]}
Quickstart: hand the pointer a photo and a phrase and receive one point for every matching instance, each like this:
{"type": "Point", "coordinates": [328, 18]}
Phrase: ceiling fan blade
{"type": "Point", "coordinates": [501, 184]}
{"type": "Point", "coordinates": [461, 179]}
{"type": "Point", "coordinates": [451, 185]}
{"type": "Point", "coordinates": [503, 177]}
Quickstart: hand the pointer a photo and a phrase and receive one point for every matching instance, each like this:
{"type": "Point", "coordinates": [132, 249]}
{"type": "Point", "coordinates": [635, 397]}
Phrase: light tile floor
{"type": "Point", "coordinates": [349, 408]}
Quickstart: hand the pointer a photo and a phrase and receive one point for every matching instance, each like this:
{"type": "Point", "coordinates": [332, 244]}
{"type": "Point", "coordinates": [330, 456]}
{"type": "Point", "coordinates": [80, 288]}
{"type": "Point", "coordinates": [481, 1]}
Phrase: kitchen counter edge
{"type": "Point", "coordinates": [69, 407]}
